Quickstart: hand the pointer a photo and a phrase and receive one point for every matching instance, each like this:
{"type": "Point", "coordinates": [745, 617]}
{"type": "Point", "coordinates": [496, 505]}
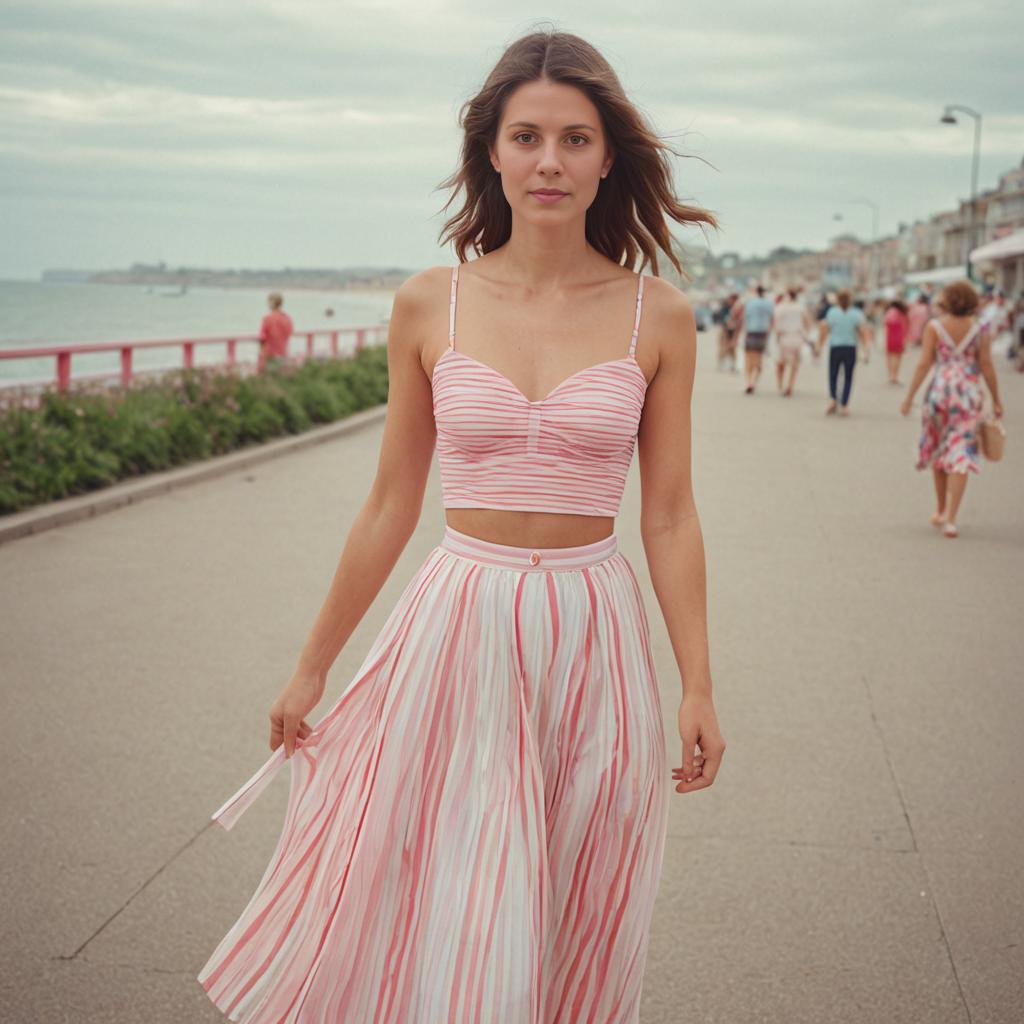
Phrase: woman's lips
{"type": "Point", "coordinates": [548, 198]}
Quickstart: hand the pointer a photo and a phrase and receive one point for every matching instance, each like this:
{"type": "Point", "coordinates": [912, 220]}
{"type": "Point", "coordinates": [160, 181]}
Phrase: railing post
{"type": "Point", "coordinates": [232, 344]}
{"type": "Point", "coordinates": [189, 349]}
{"type": "Point", "coordinates": [63, 370]}
{"type": "Point", "coordinates": [309, 344]}
{"type": "Point", "coordinates": [126, 366]}
{"type": "Point", "coordinates": [360, 339]}
{"type": "Point", "coordinates": [334, 343]}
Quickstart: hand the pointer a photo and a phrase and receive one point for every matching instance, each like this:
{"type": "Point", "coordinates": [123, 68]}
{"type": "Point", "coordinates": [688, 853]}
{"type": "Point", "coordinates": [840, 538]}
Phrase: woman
{"type": "Point", "coordinates": [475, 830]}
{"type": "Point", "coordinates": [961, 351]}
{"type": "Point", "coordinates": [895, 337]}
{"type": "Point", "coordinates": [918, 315]}
{"type": "Point", "coordinates": [841, 327]}
{"type": "Point", "coordinates": [792, 324]}
{"type": "Point", "coordinates": [758, 317]}
{"type": "Point", "coordinates": [727, 333]}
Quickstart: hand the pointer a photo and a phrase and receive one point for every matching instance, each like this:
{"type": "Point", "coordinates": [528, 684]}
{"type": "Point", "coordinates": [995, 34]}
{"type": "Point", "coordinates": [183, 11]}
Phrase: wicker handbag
{"type": "Point", "coordinates": [992, 435]}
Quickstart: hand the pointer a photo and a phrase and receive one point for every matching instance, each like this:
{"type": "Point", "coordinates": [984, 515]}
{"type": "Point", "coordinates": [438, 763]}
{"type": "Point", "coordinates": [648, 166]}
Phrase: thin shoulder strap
{"type": "Point", "coordinates": [636, 322]}
{"type": "Point", "coordinates": [967, 339]}
{"type": "Point", "coordinates": [942, 330]}
{"type": "Point", "coordinates": [451, 306]}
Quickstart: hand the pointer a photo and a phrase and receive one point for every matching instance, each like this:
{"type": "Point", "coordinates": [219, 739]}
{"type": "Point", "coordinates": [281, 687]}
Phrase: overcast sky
{"type": "Point", "coordinates": [309, 133]}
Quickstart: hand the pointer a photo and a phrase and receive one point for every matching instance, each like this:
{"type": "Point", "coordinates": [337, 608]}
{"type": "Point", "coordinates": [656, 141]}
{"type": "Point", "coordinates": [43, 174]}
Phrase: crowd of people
{"type": "Point", "coordinates": [954, 332]}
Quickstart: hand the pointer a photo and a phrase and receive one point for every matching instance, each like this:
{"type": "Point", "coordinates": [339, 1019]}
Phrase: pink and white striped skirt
{"type": "Point", "coordinates": [475, 829]}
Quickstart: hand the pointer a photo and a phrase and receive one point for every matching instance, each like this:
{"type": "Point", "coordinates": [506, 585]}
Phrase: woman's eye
{"type": "Point", "coordinates": [574, 136]}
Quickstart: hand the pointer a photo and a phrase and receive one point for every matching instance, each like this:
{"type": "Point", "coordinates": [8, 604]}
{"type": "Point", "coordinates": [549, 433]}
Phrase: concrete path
{"type": "Point", "coordinates": [858, 860]}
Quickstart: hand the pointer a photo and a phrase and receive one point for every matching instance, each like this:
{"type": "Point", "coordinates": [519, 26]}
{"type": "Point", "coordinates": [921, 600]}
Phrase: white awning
{"type": "Point", "coordinates": [1004, 248]}
{"type": "Point", "coordinates": [937, 275]}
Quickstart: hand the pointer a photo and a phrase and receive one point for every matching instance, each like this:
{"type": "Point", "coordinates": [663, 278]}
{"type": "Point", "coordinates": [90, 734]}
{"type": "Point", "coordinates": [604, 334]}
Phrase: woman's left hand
{"type": "Point", "coordinates": [698, 727]}
{"type": "Point", "coordinates": [906, 406]}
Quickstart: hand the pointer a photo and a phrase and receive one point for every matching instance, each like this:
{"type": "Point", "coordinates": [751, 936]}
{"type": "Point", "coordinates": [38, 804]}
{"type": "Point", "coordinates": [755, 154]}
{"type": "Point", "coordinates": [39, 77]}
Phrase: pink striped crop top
{"type": "Point", "coordinates": [567, 452]}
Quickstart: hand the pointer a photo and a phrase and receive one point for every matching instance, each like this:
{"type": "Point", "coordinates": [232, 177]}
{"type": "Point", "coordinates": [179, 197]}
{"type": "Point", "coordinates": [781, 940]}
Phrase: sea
{"type": "Point", "coordinates": [36, 313]}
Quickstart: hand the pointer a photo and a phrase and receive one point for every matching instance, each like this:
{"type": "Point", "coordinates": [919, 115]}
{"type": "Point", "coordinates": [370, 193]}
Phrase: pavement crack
{"type": "Point", "coordinates": [141, 889]}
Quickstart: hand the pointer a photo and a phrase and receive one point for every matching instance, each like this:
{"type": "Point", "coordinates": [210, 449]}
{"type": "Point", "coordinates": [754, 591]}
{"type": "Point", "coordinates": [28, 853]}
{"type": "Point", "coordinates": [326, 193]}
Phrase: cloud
{"type": "Point", "coordinates": [106, 105]}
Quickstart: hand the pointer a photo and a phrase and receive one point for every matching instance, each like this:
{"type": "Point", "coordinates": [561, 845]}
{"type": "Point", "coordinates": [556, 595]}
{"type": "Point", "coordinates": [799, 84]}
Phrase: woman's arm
{"type": "Point", "coordinates": [988, 371]}
{"type": "Point", "coordinates": [670, 529]}
{"type": "Point", "coordinates": [924, 363]}
{"type": "Point", "coordinates": [385, 522]}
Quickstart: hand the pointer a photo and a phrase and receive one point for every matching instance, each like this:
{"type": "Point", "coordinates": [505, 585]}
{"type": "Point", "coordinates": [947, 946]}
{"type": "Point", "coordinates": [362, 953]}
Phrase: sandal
{"type": "Point", "coordinates": [950, 530]}
{"type": "Point", "coordinates": [937, 519]}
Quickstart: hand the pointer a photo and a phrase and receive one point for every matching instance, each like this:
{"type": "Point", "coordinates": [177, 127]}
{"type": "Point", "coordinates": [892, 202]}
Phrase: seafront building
{"type": "Point", "coordinates": [927, 252]}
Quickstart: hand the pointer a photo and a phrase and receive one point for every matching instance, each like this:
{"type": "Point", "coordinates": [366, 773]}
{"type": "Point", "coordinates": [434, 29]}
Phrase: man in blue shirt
{"type": "Point", "coordinates": [843, 324]}
{"type": "Point", "coordinates": [758, 313]}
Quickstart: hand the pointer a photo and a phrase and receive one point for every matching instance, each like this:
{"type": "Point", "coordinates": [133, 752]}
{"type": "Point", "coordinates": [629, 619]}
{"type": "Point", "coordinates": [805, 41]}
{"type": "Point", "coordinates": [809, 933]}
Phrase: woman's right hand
{"type": "Point", "coordinates": [288, 714]}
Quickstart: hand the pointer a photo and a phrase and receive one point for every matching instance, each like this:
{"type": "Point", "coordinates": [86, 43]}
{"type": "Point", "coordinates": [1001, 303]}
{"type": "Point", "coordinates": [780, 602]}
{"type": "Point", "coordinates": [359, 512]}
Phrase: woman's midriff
{"type": "Point", "coordinates": [530, 529]}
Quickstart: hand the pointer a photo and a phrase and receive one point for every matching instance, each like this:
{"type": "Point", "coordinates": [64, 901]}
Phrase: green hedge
{"type": "Point", "coordinates": [94, 435]}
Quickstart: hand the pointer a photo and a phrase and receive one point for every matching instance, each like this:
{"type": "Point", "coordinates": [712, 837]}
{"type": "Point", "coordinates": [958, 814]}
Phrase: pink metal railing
{"type": "Point", "coordinates": [64, 353]}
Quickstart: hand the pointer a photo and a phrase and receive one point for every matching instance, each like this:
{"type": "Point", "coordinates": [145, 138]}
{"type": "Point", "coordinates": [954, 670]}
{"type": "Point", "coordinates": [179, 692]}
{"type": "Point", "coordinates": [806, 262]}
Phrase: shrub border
{"type": "Point", "coordinates": [107, 499]}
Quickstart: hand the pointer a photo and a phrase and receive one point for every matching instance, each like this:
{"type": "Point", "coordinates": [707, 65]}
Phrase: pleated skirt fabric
{"type": "Point", "coordinates": [475, 830]}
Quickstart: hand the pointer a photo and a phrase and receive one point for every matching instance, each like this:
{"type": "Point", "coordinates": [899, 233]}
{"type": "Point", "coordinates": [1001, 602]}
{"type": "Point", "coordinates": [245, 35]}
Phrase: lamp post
{"type": "Point", "coordinates": [948, 118]}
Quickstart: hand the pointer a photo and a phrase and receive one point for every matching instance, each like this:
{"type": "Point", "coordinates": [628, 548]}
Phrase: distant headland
{"type": "Point", "coordinates": [318, 278]}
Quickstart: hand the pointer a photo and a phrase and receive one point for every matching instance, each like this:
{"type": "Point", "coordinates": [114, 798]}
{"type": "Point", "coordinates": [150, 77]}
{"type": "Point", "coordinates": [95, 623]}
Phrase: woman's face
{"type": "Point", "coordinates": [550, 137]}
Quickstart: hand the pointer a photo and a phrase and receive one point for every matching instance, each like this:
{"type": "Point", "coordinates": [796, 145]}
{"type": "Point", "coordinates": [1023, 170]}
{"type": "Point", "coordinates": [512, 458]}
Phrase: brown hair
{"type": "Point", "coordinates": [275, 299]}
{"type": "Point", "coordinates": [959, 298]}
{"type": "Point", "coordinates": [843, 297]}
{"type": "Point", "coordinates": [635, 195]}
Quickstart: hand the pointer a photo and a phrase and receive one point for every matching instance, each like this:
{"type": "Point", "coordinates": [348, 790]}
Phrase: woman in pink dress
{"type": "Point", "coordinates": [896, 325]}
{"type": "Point", "coordinates": [960, 348]}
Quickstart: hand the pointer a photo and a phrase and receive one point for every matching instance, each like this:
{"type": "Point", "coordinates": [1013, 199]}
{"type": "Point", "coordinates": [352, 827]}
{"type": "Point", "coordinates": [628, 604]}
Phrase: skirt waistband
{"type": "Point", "coordinates": [511, 556]}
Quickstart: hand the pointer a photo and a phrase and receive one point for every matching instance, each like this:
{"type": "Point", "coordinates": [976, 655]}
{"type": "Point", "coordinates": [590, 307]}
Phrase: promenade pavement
{"type": "Point", "coordinates": [859, 858]}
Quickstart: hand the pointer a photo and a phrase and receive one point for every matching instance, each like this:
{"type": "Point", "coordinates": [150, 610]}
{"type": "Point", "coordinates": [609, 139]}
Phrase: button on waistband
{"type": "Point", "coordinates": [534, 557]}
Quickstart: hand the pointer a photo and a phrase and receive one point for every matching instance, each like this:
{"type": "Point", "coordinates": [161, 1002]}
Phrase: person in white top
{"type": "Point", "coordinates": [792, 324]}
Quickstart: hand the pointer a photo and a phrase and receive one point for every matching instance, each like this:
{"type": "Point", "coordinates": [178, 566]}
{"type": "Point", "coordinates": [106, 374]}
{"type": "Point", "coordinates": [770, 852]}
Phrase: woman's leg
{"type": "Point", "coordinates": [794, 365]}
{"type": "Point", "coordinates": [849, 361]}
{"type": "Point", "coordinates": [939, 477]}
{"type": "Point", "coordinates": [956, 484]}
{"type": "Point", "coordinates": [833, 371]}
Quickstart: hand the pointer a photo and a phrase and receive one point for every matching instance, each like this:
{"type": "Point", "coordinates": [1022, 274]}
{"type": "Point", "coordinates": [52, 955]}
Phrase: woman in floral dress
{"type": "Point", "coordinates": [960, 348]}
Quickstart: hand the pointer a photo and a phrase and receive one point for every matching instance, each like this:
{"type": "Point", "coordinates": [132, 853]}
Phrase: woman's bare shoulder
{"type": "Point", "coordinates": [422, 286]}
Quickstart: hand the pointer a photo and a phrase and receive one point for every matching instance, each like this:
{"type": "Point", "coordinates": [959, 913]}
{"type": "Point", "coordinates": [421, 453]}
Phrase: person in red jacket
{"type": "Point", "coordinates": [275, 330]}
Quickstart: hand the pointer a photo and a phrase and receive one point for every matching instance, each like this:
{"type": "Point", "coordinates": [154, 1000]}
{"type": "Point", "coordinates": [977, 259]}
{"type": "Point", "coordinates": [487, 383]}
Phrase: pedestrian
{"type": "Point", "coordinates": [841, 327]}
{"type": "Point", "coordinates": [792, 324]}
{"type": "Point", "coordinates": [919, 313]}
{"type": "Point", "coordinates": [896, 324]}
{"type": "Point", "coordinates": [995, 315]}
{"type": "Point", "coordinates": [1017, 337]}
{"type": "Point", "coordinates": [758, 316]}
{"type": "Point", "coordinates": [959, 346]}
{"type": "Point", "coordinates": [475, 829]}
{"type": "Point", "coordinates": [727, 331]}
{"type": "Point", "coordinates": [867, 336]}
{"type": "Point", "coordinates": [275, 330]}
{"type": "Point", "coordinates": [736, 323]}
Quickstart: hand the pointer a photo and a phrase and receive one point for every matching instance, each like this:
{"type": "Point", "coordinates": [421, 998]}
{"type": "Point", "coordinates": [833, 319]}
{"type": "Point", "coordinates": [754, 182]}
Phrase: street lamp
{"type": "Point", "coordinates": [948, 118]}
